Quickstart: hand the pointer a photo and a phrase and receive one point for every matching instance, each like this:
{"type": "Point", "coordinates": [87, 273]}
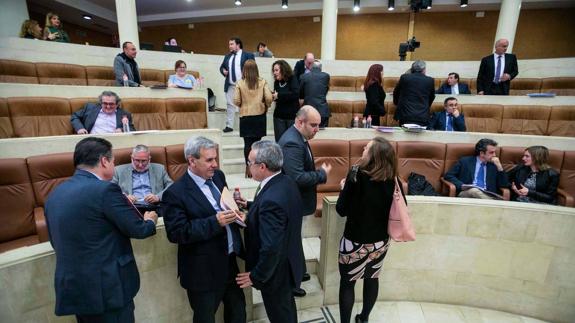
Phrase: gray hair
{"type": "Point", "coordinates": [316, 65]}
{"type": "Point", "coordinates": [268, 153]}
{"type": "Point", "coordinates": [140, 148]}
{"type": "Point", "coordinates": [109, 93]}
{"type": "Point", "coordinates": [418, 66]}
{"type": "Point", "coordinates": [195, 144]}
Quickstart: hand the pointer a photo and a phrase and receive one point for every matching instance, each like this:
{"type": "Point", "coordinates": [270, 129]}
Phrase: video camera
{"type": "Point", "coordinates": [408, 46]}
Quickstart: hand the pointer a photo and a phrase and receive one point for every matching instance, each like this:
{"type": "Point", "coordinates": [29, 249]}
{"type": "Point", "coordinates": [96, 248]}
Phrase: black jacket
{"type": "Point", "coordinates": [375, 97]}
{"type": "Point", "coordinates": [545, 187]}
{"type": "Point", "coordinates": [487, 73]}
{"type": "Point", "coordinates": [287, 103]}
{"type": "Point", "coordinates": [313, 90]}
{"type": "Point", "coordinates": [413, 95]}
{"type": "Point", "coordinates": [438, 122]}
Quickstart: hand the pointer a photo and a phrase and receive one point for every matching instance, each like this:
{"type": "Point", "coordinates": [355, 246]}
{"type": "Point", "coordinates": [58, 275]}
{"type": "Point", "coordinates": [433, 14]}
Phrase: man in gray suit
{"type": "Point", "coordinates": [126, 69]}
{"type": "Point", "coordinates": [313, 90]}
{"type": "Point", "coordinates": [143, 182]}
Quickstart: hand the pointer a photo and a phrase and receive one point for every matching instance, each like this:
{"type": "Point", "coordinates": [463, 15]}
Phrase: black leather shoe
{"type": "Point", "coordinates": [299, 292]}
{"type": "Point", "coordinates": [305, 277]}
{"type": "Point", "coordinates": [359, 320]}
{"type": "Point", "coordinates": [228, 129]}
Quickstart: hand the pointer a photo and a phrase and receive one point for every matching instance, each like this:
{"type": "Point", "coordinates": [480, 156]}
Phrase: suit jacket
{"type": "Point", "coordinates": [225, 65]}
{"type": "Point", "coordinates": [313, 90]}
{"type": "Point", "coordinates": [487, 73]}
{"type": "Point", "coordinates": [413, 95]}
{"type": "Point", "coordinates": [546, 183]}
{"type": "Point", "coordinates": [299, 69]}
{"type": "Point", "coordinates": [86, 117]}
{"type": "Point", "coordinates": [90, 223]}
{"type": "Point", "coordinates": [122, 67]}
{"type": "Point", "coordinates": [446, 88]}
{"type": "Point", "coordinates": [159, 179]}
{"type": "Point", "coordinates": [273, 235]}
{"type": "Point", "coordinates": [191, 222]}
{"type": "Point", "coordinates": [375, 104]}
{"type": "Point", "coordinates": [438, 122]}
{"type": "Point", "coordinates": [300, 167]}
{"type": "Point", "coordinates": [463, 172]}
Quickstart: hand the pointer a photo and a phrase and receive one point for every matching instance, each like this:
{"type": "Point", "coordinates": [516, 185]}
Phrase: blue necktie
{"type": "Point", "coordinates": [481, 176]}
{"type": "Point", "coordinates": [234, 69]}
{"type": "Point", "coordinates": [217, 195]}
{"type": "Point", "coordinates": [497, 70]}
{"type": "Point", "coordinates": [449, 126]}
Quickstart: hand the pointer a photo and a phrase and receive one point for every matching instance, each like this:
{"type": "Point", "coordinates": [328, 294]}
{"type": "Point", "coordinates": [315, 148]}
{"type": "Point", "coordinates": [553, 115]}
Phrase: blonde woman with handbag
{"type": "Point", "coordinates": [253, 97]}
{"type": "Point", "coordinates": [365, 200]}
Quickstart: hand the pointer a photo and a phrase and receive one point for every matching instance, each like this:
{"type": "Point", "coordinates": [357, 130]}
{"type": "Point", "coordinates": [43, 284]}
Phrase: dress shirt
{"type": "Point", "coordinates": [201, 182]}
{"type": "Point", "coordinates": [267, 179]}
{"type": "Point", "coordinates": [477, 165]}
{"type": "Point", "coordinates": [455, 89]}
{"type": "Point", "coordinates": [237, 67]}
{"type": "Point", "coordinates": [188, 82]}
{"type": "Point", "coordinates": [447, 116]}
{"type": "Point", "coordinates": [105, 123]}
{"type": "Point", "coordinates": [495, 65]}
{"type": "Point", "coordinates": [141, 185]}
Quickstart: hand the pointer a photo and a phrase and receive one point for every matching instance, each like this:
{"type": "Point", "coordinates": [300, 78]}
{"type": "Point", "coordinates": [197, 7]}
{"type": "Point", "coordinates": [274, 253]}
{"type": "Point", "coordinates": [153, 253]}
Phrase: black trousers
{"type": "Point", "coordinates": [206, 303]}
{"type": "Point", "coordinates": [324, 122]}
{"type": "Point", "coordinates": [280, 126]}
{"type": "Point", "coordinates": [122, 315]}
{"type": "Point", "coordinates": [279, 301]}
{"type": "Point", "coordinates": [248, 141]}
{"type": "Point", "coordinates": [501, 88]}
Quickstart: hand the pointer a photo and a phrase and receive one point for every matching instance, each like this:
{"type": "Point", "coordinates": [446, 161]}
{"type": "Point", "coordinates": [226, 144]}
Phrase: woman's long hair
{"type": "Point", "coordinates": [285, 69]}
{"type": "Point", "coordinates": [373, 76]}
{"type": "Point", "coordinates": [381, 162]}
{"type": "Point", "coordinates": [251, 74]}
{"type": "Point", "coordinates": [49, 16]}
{"type": "Point", "coordinates": [539, 156]}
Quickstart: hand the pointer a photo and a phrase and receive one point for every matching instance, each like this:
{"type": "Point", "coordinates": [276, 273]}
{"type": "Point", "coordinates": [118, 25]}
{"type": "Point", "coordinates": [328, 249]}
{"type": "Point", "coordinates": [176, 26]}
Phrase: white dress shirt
{"type": "Point", "coordinates": [105, 123]}
{"type": "Point", "coordinates": [237, 67]}
{"type": "Point", "coordinates": [495, 66]}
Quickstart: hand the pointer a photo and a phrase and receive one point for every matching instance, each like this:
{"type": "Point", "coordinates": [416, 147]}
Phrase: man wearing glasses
{"type": "Point", "coordinates": [104, 117]}
{"type": "Point", "coordinates": [299, 165]}
{"type": "Point", "coordinates": [143, 182]}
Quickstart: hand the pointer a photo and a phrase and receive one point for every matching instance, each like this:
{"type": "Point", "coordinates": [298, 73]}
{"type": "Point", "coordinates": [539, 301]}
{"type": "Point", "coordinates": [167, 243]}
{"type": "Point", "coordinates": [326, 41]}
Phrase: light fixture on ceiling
{"type": "Point", "coordinates": [284, 4]}
{"type": "Point", "coordinates": [429, 5]}
{"type": "Point", "coordinates": [390, 5]}
{"type": "Point", "coordinates": [238, 2]}
{"type": "Point", "coordinates": [87, 17]}
{"type": "Point", "coordinates": [356, 5]}
{"type": "Point", "coordinates": [463, 3]}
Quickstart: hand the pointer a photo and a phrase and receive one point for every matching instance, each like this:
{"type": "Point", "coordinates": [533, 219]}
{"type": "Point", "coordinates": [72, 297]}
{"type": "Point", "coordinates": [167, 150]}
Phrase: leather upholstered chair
{"type": "Point", "coordinates": [61, 74]}
{"type": "Point", "coordinates": [389, 84]}
{"type": "Point", "coordinates": [566, 189]}
{"type": "Point", "coordinates": [148, 114]}
{"type": "Point", "coordinates": [341, 113]}
{"type": "Point", "coordinates": [525, 119]}
{"type": "Point", "coordinates": [523, 86]}
{"type": "Point", "coordinates": [423, 158]}
{"type": "Point", "coordinates": [186, 113]}
{"type": "Point", "coordinates": [40, 116]}
{"type": "Point", "coordinates": [482, 117]}
{"type": "Point", "coordinates": [561, 121]}
{"type": "Point", "coordinates": [100, 75]}
{"type": "Point", "coordinates": [12, 71]}
{"type": "Point", "coordinates": [454, 151]}
{"type": "Point", "coordinates": [558, 85]}
{"type": "Point", "coordinates": [342, 83]}
{"type": "Point", "coordinates": [6, 129]}
{"type": "Point", "coordinates": [151, 77]}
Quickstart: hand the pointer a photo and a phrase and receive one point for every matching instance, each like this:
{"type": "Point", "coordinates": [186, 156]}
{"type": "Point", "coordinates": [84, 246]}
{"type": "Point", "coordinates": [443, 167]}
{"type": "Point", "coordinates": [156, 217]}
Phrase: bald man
{"type": "Point", "coordinates": [497, 70]}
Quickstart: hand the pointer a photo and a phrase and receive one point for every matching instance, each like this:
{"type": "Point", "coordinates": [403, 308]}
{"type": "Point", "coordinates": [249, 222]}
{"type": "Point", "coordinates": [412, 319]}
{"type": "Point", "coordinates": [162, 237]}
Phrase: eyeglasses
{"type": "Point", "coordinates": [141, 161]}
{"type": "Point", "coordinates": [109, 104]}
{"type": "Point", "coordinates": [250, 163]}
{"type": "Point", "coordinates": [181, 67]}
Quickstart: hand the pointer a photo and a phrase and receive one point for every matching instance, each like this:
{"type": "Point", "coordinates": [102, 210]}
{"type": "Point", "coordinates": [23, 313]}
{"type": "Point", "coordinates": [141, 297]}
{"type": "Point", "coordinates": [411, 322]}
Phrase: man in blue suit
{"type": "Point", "coordinates": [208, 239]}
{"type": "Point", "coordinates": [90, 223]}
{"type": "Point", "coordinates": [273, 237]}
{"type": "Point", "coordinates": [449, 119]}
{"type": "Point", "coordinates": [452, 86]}
{"type": "Point", "coordinates": [231, 69]}
{"type": "Point", "coordinates": [483, 170]}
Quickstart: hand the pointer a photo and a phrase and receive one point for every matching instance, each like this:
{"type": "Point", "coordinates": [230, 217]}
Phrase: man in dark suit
{"type": "Point", "coordinates": [449, 119]}
{"type": "Point", "coordinates": [299, 165]}
{"type": "Point", "coordinates": [303, 66]}
{"type": "Point", "coordinates": [207, 236]}
{"type": "Point", "coordinates": [452, 86]}
{"type": "Point", "coordinates": [104, 117]}
{"type": "Point", "coordinates": [90, 223]}
{"type": "Point", "coordinates": [313, 90]}
{"type": "Point", "coordinates": [231, 69]}
{"type": "Point", "coordinates": [273, 237]}
{"type": "Point", "coordinates": [413, 96]}
{"type": "Point", "coordinates": [483, 170]}
{"type": "Point", "coordinates": [497, 70]}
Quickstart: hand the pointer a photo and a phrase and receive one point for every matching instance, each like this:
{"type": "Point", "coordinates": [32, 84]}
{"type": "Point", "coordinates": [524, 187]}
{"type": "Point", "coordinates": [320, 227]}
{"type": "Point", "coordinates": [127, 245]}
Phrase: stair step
{"type": "Point", "coordinates": [233, 166]}
{"type": "Point", "coordinates": [232, 151]}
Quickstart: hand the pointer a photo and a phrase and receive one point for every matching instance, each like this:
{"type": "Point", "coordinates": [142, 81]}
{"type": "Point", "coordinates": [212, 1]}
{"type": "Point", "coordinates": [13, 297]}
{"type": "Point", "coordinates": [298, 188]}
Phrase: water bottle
{"type": "Point", "coordinates": [369, 121]}
{"type": "Point", "coordinates": [237, 194]}
{"type": "Point", "coordinates": [125, 124]}
{"type": "Point", "coordinates": [364, 122]}
{"type": "Point", "coordinates": [356, 122]}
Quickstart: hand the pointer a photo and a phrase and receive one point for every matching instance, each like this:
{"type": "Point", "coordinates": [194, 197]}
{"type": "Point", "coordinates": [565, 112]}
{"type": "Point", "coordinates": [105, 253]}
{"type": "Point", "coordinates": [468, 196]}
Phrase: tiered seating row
{"type": "Point", "coordinates": [493, 118]}
{"type": "Point", "coordinates": [12, 71]}
{"type": "Point", "coordinates": [48, 116]}
{"type": "Point", "coordinates": [519, 86]}
{"type": "Point", "coordinates": [432, 160]}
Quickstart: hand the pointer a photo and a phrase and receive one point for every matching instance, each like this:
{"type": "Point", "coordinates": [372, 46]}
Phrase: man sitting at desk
{"type": "Point", "coordinates": [143, 182]}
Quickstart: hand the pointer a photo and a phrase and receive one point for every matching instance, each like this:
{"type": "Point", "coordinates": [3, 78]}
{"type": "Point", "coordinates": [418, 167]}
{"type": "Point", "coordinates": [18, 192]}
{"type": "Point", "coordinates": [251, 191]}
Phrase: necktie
{"type": "Point", "coordinates": [215, 193]}
{"type": "Point", "coordinates": [481, 176]}
{"type": "Point", "coordinates": [234, 69]}
{"type": "Point", "coordinates": [258, 190]}
{"type": "Point", "coordinates": [449, 126]}
{"type": "Point", "coordinates": [230, 235]}
{"type": "Point", "coordinates": [497, 70]}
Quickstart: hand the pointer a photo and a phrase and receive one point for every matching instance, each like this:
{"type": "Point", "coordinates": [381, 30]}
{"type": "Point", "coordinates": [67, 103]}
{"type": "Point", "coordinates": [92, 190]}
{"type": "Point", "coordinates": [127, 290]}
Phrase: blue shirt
{"type": "Point", "coordinates": [477, 165]}
{"type": "Point", "coordinates": [188, 82]}
{"type": "Point", "coordinates": [141, 184]}
{"type": "Point", "coordinates": [215, 204]}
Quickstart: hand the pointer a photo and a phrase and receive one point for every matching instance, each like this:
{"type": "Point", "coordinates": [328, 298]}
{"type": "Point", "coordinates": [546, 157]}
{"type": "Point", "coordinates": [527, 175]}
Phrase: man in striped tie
{"type": "Point", "coordinates": [497, 70]}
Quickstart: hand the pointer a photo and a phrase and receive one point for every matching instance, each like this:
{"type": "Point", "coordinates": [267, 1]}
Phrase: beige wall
{"type": "Point", "coordinates": [444, 35]}
{"type": "Point", "coordinates": [79, 35]}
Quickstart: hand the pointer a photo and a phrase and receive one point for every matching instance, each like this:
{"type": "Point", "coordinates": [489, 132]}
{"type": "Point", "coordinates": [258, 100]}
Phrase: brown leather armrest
{"type": "Point", "coordinates": [448, 187]}
{"type": "Point", "coordinates": [40, 221]}
{"type": "Point", "coordinates": [403, 185]}
{"type": "Point", "coordinates": [506, 193]}
{"type": "Point", "coordinates": [567, 198]}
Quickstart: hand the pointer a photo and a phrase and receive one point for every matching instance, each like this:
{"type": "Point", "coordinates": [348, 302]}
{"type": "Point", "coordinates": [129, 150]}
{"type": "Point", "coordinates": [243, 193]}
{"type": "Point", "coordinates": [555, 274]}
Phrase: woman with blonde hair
{"type": "Point", "coordinates": [253, 97]}
{"type": "Point", "coordinates": [53, 30]}
{"type": "Point", "coordinates": [365, 201]}
{"type": "Point", "coordinates": [534, 181]}
{"type": "Point", "coordinates": [31, 29]}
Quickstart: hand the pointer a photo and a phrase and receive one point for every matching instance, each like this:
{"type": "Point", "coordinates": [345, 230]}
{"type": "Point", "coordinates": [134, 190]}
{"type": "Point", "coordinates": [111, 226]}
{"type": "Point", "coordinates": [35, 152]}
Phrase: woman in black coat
{"type": "Point", "coordinates": [374, 94]}
{"type": "Point", "coordinates": [534, 181]}
{"type": "Point", "coordinates": [286, 96]}
{"type": "Point", "coordinates": [365, 201]}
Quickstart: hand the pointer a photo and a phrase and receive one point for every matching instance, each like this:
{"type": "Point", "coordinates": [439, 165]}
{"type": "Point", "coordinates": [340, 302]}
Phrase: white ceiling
{"type": "Point", "coordinates": [164, 12]}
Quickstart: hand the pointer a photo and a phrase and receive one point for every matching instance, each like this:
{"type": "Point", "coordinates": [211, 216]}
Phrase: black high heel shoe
{"type": "Point", "coordinates": [359, 320]}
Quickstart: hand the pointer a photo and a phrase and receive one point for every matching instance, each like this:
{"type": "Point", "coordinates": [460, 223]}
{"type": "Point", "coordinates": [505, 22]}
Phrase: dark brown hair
{"type": "Point", "coordinates": [285, 69]}
{"type": "Point", "coordinates": [539, 156]}
{"type": "Point", "coordinates": [178, 63]}
{"type": "Point", "coordinates": [373, 76]}
{"type": "Point", "coordinates": [251, 74]}
{"type": "Point", "coordinates": [381, 162]}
